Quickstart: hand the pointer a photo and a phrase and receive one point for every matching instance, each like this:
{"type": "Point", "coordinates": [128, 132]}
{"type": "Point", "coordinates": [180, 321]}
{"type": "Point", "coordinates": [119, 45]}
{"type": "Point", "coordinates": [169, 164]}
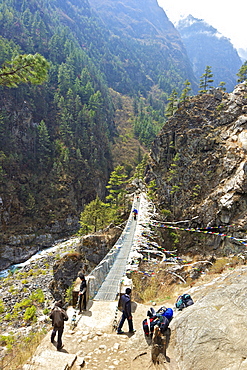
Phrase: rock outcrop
{"type": "Point", "coordinates": [18, 247]}
{"type": "Point", "coordinates": [90, 250]}
{"type": "Point", "coordinates": [199, 165]}
{"type": "Point", "coordinates": [211, 334]}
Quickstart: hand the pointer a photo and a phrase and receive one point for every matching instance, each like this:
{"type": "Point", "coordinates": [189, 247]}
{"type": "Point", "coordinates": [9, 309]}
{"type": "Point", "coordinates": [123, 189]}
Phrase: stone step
{"type": "Point", "coordinates": [47, 359]}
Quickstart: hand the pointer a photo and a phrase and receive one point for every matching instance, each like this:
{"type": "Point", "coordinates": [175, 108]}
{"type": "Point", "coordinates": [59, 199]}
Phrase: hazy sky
{"type": "Point", "coordinates": [228, 17]}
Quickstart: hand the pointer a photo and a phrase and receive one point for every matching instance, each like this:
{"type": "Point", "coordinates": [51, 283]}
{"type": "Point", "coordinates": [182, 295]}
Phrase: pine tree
{"type": "Point", "coordinates": [24, 69]}
{"type": "Point", "coordinates": [222, 85]}
{"type": "Point", "coordinates": [185, 92]}
{"type": "Point", "coordinates": [116, 185]}
{"type": "Point", "coordinates": [94, 217]}
{"type": "Point", "coordinates": [242, 73]}
{"type": "Point", "coordinates": [206, 80]}
{"type": "Point", "coordinates": [172, 106]}
{"type": "Point", "coordinates": [44, 145]}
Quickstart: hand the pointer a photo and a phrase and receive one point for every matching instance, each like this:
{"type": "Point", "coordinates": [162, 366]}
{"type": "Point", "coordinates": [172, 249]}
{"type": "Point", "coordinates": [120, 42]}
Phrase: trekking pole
{"type": "Point", "coordinates": [115, 321]}
{"type": "Point", "coordinates": [73, 320]}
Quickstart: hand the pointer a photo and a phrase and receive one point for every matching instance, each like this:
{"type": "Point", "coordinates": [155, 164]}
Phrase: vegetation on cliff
{"type": "Point", "coordinates": [57, 140]}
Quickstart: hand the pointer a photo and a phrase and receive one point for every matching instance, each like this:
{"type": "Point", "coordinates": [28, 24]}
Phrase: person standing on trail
{"type": "Point", "coordinates": [82, 293]}
{"type": "Point", "coordinates": [58, 315]}
{"type": "Point", "coordinates": [126, 309]}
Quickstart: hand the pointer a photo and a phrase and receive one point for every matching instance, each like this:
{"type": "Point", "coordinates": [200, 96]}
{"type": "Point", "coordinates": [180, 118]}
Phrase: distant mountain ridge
{"type": "Point", "coordinates": [131, 18]}
{"type": "Point", "coordinates": [206, 46]}
{"type": "Point", "coordinates": [149, 26]}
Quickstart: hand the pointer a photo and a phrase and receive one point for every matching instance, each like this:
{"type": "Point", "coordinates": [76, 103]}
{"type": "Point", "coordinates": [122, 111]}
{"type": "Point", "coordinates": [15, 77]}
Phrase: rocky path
{"type": "Point", "coordinates": [93, 344]}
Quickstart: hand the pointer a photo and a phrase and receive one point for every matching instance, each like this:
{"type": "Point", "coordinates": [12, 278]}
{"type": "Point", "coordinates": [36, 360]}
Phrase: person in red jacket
{"type": "Point", "coordinates": [58, 315]}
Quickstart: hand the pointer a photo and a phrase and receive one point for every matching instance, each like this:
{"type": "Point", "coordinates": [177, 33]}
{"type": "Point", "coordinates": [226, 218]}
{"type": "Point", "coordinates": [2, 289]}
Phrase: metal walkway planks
{"type": "Point", "coordinates": [110, 287]}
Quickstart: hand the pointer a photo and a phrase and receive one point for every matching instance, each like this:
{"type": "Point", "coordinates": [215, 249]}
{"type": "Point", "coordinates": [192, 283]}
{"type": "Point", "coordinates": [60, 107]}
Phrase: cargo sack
{"type": "Point", "coordinates": [183, 301]}
{"type": "Point", "coordinates": [148, 325]}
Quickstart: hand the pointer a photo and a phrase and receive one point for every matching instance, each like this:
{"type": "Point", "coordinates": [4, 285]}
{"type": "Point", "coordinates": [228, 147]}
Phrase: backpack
{"type": "Point", "coordinates": [167, 312]}
{"type": "Point", "coordinates": [162, 319]}
{"type": "Point", "coordinates": [183, 301]}
{"type": "Point", "coordinates": [162, 310]}
{"type": "Point", "coordinates": [151, 312]}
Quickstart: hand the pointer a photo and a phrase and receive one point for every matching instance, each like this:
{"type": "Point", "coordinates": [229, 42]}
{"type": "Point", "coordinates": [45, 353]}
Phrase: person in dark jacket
{"type": "Point", "coordinates": [126, 309]}
{"type": "Point", "coordinates": [58, 315]}
{"type": "Point", "coordinates": [82, 293]}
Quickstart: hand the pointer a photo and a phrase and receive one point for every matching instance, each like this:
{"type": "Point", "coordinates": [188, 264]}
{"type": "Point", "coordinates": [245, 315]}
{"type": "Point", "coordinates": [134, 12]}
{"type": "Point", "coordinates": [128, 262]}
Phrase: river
{"type": "Point", "coordinates": [42, 253]}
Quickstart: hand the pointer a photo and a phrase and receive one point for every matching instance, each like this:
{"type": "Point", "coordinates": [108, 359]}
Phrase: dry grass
{"type": "Point", "coordinates": [163, 286]}
{"type": "Point", "coordinates": [21, 351]}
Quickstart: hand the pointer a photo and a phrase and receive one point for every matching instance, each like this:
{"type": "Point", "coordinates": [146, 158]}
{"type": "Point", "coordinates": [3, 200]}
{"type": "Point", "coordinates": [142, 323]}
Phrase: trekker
{"type": "Point", "coordinates": [135, 212]}
{"type": "Point", "coordinates": [126, 309]}
{"type": "Point", "coordinates": [82, 293]}
{"type": "Point", "coordinates": [58, 315]}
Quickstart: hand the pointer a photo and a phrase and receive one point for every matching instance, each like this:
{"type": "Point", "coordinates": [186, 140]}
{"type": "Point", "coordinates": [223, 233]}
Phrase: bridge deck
{"type": "Point", "coordinates": [110, 287]}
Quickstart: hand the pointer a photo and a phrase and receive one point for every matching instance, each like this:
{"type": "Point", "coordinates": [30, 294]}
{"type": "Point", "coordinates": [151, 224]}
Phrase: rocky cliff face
{"type": "Point", "coordinates": [199, 165]}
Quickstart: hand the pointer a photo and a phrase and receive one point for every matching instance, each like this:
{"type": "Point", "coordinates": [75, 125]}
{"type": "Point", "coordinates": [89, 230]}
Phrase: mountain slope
{"type": "Point", "coordinates": [55, 138]}
{"type": "Point", "coordinates": [157, 42]}
{"type": "Point", "coordinates": [206, 46]}
{"type": "Point", "coordinates": [58, 140]}
{"type": "Point", "coordinates": [199, 165]}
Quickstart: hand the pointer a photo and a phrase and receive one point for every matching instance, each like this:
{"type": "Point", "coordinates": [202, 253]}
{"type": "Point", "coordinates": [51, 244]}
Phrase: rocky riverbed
{"type": "Point", "coordinates": [30, 282]}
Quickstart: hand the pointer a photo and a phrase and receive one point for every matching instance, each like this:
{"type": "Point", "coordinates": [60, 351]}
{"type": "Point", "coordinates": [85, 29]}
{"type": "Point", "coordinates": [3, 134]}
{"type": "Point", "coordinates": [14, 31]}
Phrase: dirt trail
{"type": "Point", "coordinates": [94, 341]}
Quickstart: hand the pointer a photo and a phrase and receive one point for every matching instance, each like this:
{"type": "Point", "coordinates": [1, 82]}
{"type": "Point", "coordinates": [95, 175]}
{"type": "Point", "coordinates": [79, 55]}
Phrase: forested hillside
{"type": "Point", "coordinates": [57, 138]}
{"type": "Point", "coordinates": [55, 151]}
{"type": "Point", "coordinates": [151, 51]}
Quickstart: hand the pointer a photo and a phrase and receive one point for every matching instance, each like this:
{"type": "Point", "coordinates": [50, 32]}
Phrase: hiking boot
{"type": "Point", "coordinates": [132, 331]}
{"type": "Point", "coordinates": [120, 332]}
{"type": "Point", "coordinates": [59, 348]}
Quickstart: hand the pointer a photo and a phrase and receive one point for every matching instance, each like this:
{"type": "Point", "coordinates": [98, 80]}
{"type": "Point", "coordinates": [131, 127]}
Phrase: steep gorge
{"type": "Point", "coordinates": [57, 141]}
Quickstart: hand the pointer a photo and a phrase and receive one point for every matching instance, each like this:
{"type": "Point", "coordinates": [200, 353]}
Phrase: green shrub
{"type": "Point", "coordinates": [38, 296]}
{"type": "Point", "coordinates": [2, 308]}
{"type": "Point", "coordinates": [30, 314]}
{"type": "Point", "coordinates": [69, 294]}
{"type": "Point", "coordinates": [12, 289]}
{"type": "Point", "coordinates": [26, 302]}
{"type": "Point", "coordinates": [7, 317]}
{"type": "Point", "coordinates": [46, 311]}
{"type": "Point", "coordinates": [6, 340]}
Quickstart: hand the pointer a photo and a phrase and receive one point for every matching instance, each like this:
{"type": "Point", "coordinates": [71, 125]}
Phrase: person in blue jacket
{"type": "Point", "coordinates": [126, 312]}
{"type": "Point", "coordinates": [135, 212]}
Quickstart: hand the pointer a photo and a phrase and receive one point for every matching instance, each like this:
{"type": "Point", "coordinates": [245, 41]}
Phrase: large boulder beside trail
{"type": "Point", "coordinates": [65, 272]}
{"type": "Point", "coordinates": [90, 250]}
{"type": "Point", "coordinates": [211, 334]}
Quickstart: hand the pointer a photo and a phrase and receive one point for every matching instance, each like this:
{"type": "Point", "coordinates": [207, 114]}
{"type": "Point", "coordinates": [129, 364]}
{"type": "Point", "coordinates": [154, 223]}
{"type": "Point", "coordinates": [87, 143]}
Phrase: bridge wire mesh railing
{"type": "Point", "coordinates": [98, 275]}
